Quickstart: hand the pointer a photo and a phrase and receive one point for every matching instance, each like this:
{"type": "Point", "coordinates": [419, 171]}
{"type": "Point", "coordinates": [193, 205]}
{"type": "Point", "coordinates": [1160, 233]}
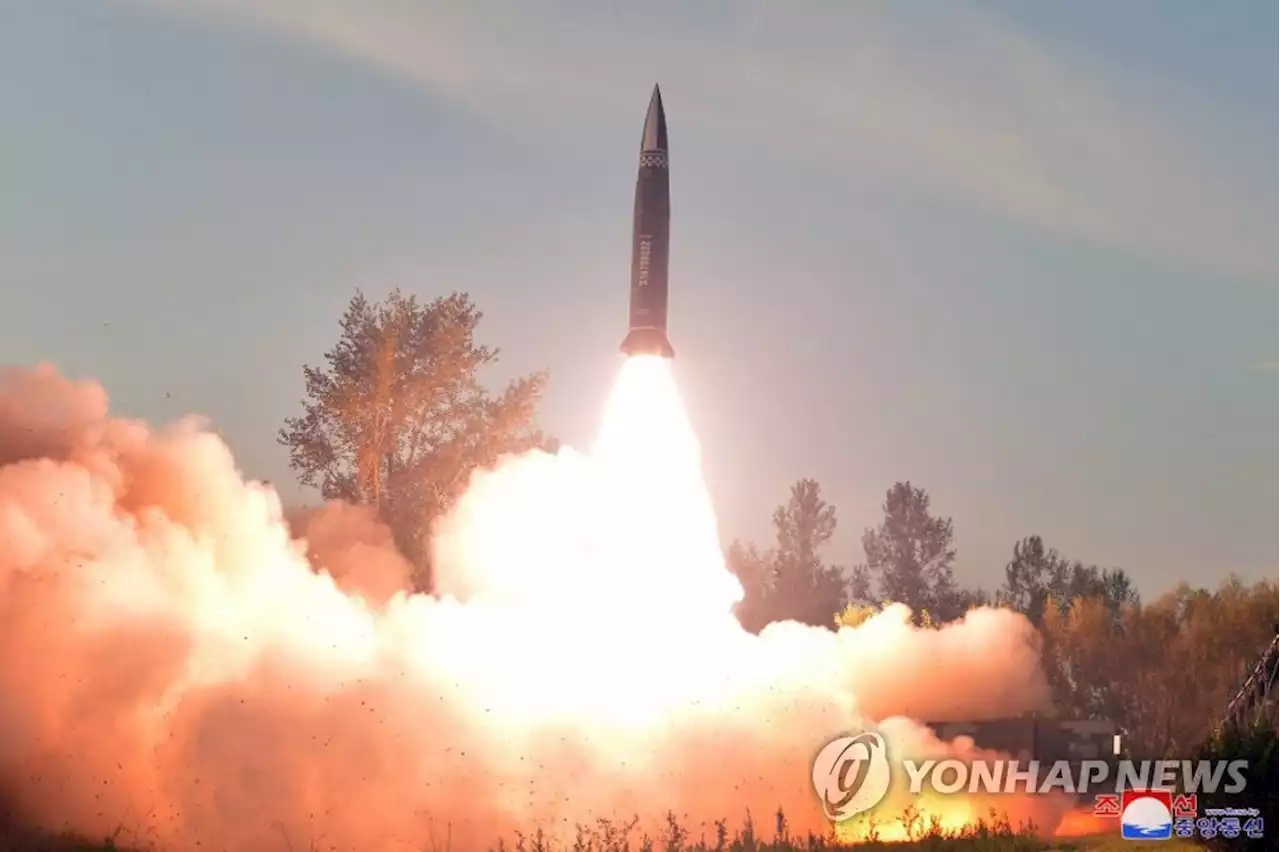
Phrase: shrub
{"type": "Point", "coordinates": [996, 835]}
{"type": "Point", "coordinates": [1257, 745]}
{"type": "Point", "coordinates": [606, 835]}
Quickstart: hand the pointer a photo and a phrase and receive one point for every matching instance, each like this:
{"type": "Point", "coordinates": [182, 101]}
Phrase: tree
{"type": "Point", "coordinates": [398, 419]}
{"type": "Point", "coordinates": [1081, 611]}
{"type": "Point", "coordinates": [1134, 668]}
{"type": "Point", "coordinates": [1030, 578]}
{"type": "Point", "coordinates": [910, 554]}
{"type": "Point", "coordinates": [790, 582]}
{"type": "Point", "coordinates": [860, 585]}
{"type": "Point", "coordinates": [754, 570]}
{"type": "Point", "coordinates": [964, 600]}
{"type": "Point", "coordinates": [1037, 577]}
{"type": "Point", "coordinates": [1256, 744]}
{"type": "Point", "coordinates": [1207, 638]}
{"type": "Point", "coordinates": [805, 589]}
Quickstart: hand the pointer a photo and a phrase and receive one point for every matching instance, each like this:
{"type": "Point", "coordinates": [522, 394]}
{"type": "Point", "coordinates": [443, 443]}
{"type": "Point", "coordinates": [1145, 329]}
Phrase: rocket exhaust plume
{"type": "Point", "coordinates": [173, 667]}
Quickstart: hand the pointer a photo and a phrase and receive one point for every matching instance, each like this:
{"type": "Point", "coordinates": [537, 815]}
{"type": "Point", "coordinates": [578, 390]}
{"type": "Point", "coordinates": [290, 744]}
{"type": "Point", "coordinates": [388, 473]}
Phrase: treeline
{"type": "Point", "coordinates": [908, 558]}
{"type": "Point", "coordinates": [1162, 670]}
{"type": "Point", "coordinates": [397, 419]}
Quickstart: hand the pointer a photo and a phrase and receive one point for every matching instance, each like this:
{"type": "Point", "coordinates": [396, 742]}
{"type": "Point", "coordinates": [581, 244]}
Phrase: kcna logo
{"type": "Point", "coordinates": [851, 775]}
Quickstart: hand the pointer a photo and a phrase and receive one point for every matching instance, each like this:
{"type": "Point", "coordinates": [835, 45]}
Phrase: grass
{"type": "Point", "coordinates": [1115, 843]}
{"type": "Point", "coordinates": [609, 836]}
{"type": "Point", "coordinates": [995, 835]}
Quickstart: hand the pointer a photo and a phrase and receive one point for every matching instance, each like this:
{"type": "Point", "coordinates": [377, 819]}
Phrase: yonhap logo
{"type": "Point", "coordinates": [851, 775]}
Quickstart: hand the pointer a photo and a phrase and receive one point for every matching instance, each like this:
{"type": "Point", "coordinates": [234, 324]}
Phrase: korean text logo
{"type": "Point", "coordinates": [1157, 814]}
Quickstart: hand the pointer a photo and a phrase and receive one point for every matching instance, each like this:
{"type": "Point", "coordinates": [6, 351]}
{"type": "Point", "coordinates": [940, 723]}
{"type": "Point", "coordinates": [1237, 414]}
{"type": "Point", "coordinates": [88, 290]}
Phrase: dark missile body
{"type": "Point", "coordinates": [650, 241]}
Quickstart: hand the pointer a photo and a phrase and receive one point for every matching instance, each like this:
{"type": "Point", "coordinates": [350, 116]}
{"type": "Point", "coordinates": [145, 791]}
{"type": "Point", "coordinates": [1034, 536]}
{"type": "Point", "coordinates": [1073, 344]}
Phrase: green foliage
{"type": "Point", "coordinates": [996, 835]}
{"type": "Point", "coordinates": [1096, 639]}
{"type": "Point", "coordinates": [607, 835]}
{"type": "Point", "coordinates": [1037, 578]}
{"type": "Point", "coordinates": [1256, 744]}
{"type": "Point", "coordinates": [964, 600]}
{"type": "Point", "coordinates": [754, 569]}
{"type": "Point", "coordinates": [398, 419]}
{"type": "Point", "coordinates": [19, 838]}
{"type": "Point", "coordinates": [1134, 666]}
{"type": "Point", "coordinates": [1105, 654]}
{"type": "Point", "coordinates": [790, 582]}
{"type": "Point", "coordinates": [804, 588]}
{"type": "Point", "coordinates": [909, 555]}
{"type": "Point", "coordinates": [908, 561]}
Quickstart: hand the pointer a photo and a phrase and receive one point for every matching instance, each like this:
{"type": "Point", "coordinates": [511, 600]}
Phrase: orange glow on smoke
{"type": "Point", "coordinates": [173, 661]}
{"type": "Point", "coordinates": [1082, 822]}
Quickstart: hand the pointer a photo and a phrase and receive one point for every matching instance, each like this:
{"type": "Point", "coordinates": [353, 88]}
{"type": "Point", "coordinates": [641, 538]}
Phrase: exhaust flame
{"type": "Point", "coordinates": [171, 664]}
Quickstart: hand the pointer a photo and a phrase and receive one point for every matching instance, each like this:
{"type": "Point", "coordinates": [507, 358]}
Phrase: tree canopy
{"type": "Point", "coordinates": [790, 582]}
{"type": "Point", "coordinates": [1037, 577]}
{"type": "Point", "coordinates": [909, 556]}
{"type": "Point", "coordinates": [1136, 665]}
{"type": "Point", "coordinates": [398, 419]}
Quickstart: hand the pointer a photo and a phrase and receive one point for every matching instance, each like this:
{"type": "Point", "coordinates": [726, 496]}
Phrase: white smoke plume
{"type": "Point", "coordinates": [174, 663]}
{"type": "Point", "coordinates": [351, 545]}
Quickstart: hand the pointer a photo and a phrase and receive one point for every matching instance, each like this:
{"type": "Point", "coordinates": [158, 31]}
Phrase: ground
{"type": "Point", "coordinates": [1115, 843]}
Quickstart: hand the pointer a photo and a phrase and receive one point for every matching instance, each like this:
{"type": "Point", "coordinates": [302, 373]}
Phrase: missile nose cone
{"type": "Point", "coordinates": [655, 125]}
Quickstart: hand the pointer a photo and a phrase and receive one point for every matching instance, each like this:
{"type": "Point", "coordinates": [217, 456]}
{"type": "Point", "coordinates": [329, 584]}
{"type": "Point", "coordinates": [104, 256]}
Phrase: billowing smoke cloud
{"type": "Point", "coordinates": [175, 664]}
{"type": "Point", "coordinates": [351, 545]}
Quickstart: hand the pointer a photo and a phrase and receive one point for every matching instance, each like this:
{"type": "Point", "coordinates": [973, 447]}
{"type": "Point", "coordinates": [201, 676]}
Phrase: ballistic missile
{"type": "Point", "coordinates": [650, 234]}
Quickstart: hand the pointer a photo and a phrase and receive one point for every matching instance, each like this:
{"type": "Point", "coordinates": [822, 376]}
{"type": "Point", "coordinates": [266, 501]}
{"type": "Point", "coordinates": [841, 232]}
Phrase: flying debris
{"type": "Point", "coordinates": [650, 241]}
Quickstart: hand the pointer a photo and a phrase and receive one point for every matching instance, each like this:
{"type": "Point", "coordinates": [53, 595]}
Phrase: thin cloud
{"type": "Point", "coordinates": [957, 103]}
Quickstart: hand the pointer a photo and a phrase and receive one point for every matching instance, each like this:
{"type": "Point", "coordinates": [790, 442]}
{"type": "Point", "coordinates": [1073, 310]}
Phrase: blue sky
{"type": "Point", "coordinates": [1023, 255]}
